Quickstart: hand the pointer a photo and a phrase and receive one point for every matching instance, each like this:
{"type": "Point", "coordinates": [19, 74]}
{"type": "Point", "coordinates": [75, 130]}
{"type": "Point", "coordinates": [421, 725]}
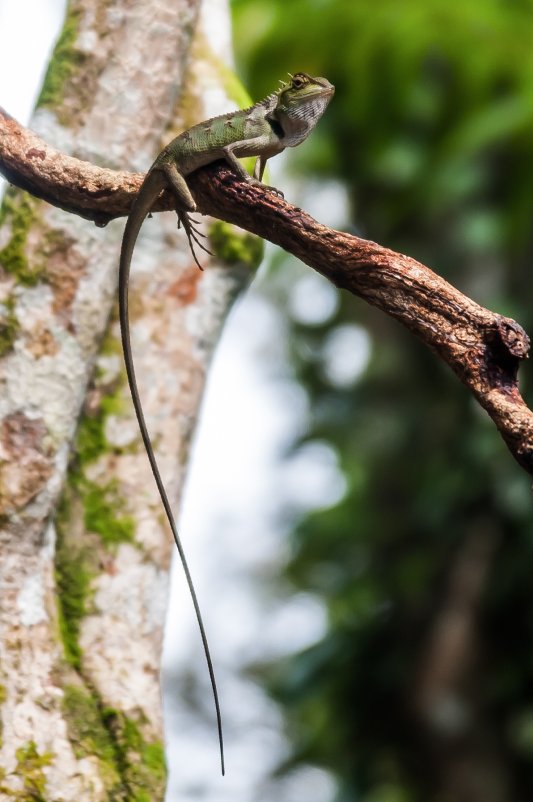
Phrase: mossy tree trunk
{"type": "Point", "coordinates": [84, 548]}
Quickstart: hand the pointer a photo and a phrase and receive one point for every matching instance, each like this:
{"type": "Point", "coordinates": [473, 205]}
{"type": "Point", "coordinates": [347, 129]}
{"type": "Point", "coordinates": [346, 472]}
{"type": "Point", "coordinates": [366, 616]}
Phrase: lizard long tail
{"type": "Point", "coordinates": [154, 182]}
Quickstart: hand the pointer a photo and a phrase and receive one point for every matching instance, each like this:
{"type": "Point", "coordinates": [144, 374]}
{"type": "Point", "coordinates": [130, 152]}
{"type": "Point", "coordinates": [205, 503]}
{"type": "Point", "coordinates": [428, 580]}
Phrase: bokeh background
{"type": "Point", "coordinates": [365, 537]}
{"type": "Point", "coordinates": [421, 687]}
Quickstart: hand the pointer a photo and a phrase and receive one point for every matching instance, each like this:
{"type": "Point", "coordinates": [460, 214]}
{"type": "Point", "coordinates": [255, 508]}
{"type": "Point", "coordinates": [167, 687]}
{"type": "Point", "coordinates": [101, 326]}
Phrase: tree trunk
{"type": "Point", "coordinates": [85, 548]}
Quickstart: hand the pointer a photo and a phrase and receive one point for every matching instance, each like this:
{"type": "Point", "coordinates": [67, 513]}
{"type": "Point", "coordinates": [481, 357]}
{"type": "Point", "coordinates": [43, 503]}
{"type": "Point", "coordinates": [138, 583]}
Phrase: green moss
{"type": "Point", "coordinates": [9, 326]}
{"type": "Point", "coordinates": [30, 766]}
{"type": "Point", "coordinates": [102, 508]}
{"type": "Point", "coordinates": [73, 578]}
{"type": "Point", "coordinates": [131, 768]}
{"type": "Point", "coordinates": [91, 441]}
{"type": "Point", "coordinates": [110, 344]}
{"type": "Point", "coordinates": [89, 733]}
{"type": "Point", "coordinates": [142, 763]}
{"type": "Point", "coordinates": [103, 515]}
{"type": "Point", "coordinates": [66, 59]}
{"type": "Point", "coordinates": [147, 774]}
{"type": "Point", "coordinates": [76, 566]}
{"type": "Point", "coordinates": [235, 247]}
{"type": "Point", "coordinates": [153, 756]}
{"type": "Point", "coordinates": [19, 211]}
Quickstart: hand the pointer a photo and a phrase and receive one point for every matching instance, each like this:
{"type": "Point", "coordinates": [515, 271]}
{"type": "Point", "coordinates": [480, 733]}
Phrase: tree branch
{"type": "Point", "coordinates": [482, 348]}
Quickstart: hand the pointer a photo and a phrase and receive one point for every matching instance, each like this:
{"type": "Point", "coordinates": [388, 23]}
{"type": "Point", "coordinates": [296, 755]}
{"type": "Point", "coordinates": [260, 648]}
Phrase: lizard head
{"type": "Point", "coordinates": [300, 104]}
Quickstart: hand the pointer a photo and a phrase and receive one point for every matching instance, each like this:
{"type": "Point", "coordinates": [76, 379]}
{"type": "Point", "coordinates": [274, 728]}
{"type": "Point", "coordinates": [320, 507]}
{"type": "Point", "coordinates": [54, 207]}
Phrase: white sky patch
{"type": "Point", "coordinates": [216, 25]}
{"type": "Point", "coordinates": [28, 31]}
{"type": "Point", "coordinates": [345, 354]}
{"type": "Point", "coordinates": [313, 300]}
{"type": "Point", "coordinates": [306, 783]}
{"type": "Point", "coordinates": [311, 478]}
{"type": "Point", "coordinates": [295, 624]}
{"type": "Point", "coordinates": [325, 200]}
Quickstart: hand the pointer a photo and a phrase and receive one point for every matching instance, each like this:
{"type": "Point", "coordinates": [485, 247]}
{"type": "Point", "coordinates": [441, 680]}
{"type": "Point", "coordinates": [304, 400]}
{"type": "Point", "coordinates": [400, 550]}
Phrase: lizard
{"type": "Point", "coordinates": [283, 119]}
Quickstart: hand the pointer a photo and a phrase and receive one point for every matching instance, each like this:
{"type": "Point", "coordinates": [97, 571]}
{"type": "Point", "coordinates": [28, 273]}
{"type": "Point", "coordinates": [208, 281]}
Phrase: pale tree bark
{"type": "Point", "coordinates": [84, 547]}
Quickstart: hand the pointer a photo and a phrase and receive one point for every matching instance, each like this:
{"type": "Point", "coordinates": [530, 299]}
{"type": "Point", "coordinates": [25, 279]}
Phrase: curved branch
{"type": "Point", "coordinates": [482, 347]}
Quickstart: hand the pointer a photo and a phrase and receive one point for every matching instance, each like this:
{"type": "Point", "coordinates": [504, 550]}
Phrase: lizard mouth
{"type": "Point", "coordinates": [327, 91]}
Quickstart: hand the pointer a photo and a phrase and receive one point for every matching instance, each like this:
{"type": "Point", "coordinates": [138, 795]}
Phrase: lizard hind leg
{"type": "Point", "coordinates": [192, 234]}
{"type": "Point", "coordinates": [185, 205]}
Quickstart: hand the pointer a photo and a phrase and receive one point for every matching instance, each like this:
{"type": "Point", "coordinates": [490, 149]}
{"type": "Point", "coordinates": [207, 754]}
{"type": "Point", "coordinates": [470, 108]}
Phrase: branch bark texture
{"type": "Point", "coordinates": [483, 348]}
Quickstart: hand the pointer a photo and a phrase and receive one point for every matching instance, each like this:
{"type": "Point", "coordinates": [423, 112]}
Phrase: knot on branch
{"type": "Point", "coordinates": [512, 337]}
{"type": "Point", "coordinates": [507, 344]}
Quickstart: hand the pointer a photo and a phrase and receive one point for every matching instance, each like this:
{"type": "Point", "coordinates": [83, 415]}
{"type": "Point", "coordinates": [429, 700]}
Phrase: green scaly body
{"type": "Point", "coordinates": [283, 119]}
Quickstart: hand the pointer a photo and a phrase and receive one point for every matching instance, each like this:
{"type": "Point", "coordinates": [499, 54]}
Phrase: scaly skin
{"type": "Point", "coordinates": [283, 119]}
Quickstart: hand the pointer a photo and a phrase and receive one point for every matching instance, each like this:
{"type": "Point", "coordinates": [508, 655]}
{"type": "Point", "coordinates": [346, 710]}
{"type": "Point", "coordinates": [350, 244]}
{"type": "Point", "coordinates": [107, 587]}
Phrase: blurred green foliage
{"type": "Point", "coordinates": [422, 689]}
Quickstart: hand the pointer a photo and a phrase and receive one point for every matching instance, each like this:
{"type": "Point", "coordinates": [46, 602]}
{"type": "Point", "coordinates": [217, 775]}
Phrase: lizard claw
{"type": "Point", "coordinates": [275, 190]}
{"type": "Point", "coordinates": [193, 235]}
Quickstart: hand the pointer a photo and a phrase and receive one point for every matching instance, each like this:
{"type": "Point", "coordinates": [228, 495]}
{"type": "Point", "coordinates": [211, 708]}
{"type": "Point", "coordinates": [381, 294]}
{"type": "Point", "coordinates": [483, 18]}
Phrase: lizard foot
{"type": "Point", "coordinates": [192, 234]}
{"type": "Point", "coordinates": [255, 182]}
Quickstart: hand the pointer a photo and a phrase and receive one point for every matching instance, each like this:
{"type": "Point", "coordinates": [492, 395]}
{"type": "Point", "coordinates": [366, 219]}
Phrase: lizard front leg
{"type": "Point", "coordinates": [259, 168]}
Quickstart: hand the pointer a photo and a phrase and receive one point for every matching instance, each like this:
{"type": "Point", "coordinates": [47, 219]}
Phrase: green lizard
{"type": "Point", "coordinates": [283, 119]}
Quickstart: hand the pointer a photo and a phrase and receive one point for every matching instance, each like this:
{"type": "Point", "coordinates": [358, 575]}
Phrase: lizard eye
{"type": "Point", "coordinates": [298, 82]}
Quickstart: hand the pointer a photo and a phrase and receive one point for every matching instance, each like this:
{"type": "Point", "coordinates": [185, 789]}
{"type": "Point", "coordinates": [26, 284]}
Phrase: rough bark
{"type": "Point", "coordinates": [482, 347]}
{"type": "Point", "coordinates": [83, 591]}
